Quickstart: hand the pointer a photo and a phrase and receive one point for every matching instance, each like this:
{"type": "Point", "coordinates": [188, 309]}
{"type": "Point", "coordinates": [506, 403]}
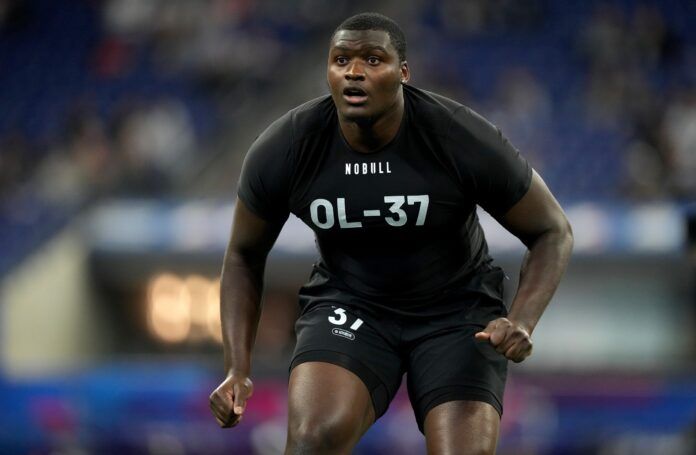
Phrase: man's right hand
{"type": "Point", "coordinates": [228, 401]}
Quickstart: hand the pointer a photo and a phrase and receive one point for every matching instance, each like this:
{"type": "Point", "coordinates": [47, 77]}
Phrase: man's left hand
{"type": "Point", "coordinates": [508, 338]}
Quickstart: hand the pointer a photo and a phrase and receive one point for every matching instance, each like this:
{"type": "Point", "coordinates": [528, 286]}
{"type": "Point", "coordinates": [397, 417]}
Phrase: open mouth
{"type": "Point", "coordinates": [354, 95]}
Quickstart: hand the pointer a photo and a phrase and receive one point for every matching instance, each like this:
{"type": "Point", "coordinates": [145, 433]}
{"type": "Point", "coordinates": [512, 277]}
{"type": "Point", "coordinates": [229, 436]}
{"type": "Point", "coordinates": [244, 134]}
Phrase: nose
{"type": "Point", "coordinates": [355, 72]}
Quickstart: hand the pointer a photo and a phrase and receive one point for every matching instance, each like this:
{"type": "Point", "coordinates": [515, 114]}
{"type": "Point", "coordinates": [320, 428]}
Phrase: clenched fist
{"type": "Point", "coordinates": [508, 338]}
{"type": "Point", "coordinates": [228, 401]}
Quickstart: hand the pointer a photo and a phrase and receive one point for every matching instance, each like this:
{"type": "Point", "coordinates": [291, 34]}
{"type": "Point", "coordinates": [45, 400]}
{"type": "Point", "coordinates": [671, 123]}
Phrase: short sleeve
{"type": "Point", "coordinates": [264, 184]}
{"type": "Point", "coordinates": [494, 170]}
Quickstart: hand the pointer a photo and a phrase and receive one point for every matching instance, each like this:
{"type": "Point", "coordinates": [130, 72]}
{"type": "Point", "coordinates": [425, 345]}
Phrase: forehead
{"type": "Point", "coordinates": [360, 39]}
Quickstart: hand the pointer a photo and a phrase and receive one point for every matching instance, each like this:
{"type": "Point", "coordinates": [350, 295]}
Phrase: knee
{"type": "Point", "coordinates": [484, 448]}
{"type": "Point", "coordinates": [470, 447]}
{"type": "Point", "coordinates": [320, 436]}
{"type": "Point", "coordinates": [488, 449]}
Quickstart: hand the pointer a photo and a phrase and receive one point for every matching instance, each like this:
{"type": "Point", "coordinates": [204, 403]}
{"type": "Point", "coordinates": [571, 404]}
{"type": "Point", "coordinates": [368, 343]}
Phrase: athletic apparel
{"type": "Point", "coordinates": [404, 278]}
{"type": "Point", "coordinates": [396, 227]}
{"type": "Point", "coordinates": [443, 359]}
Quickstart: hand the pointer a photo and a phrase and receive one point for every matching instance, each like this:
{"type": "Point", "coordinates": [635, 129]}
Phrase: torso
{"type": "Point", "coordinates": [398, 224]}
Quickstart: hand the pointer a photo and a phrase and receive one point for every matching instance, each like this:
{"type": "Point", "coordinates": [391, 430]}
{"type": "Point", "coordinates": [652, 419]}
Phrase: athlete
{"type": "Point", "coordinates": [389, 176]}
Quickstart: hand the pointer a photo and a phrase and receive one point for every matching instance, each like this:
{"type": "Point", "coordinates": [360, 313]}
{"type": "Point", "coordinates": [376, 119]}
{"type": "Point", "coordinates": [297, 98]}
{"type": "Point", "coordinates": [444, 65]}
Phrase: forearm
{"type": "Point", "coordinates": [541, 272]}
{"type": "Point", "coordinates": [240, 308]}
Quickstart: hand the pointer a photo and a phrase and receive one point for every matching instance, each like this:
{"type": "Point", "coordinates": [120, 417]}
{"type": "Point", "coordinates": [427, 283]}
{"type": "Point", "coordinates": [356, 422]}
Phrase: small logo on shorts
{"type": "Point", "coordinates": [343, 333]}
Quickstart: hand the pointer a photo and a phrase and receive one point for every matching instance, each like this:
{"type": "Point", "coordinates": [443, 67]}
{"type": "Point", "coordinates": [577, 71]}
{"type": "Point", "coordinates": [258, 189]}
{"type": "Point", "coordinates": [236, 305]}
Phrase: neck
{"type": "Point", "coordinates": [368, 135]}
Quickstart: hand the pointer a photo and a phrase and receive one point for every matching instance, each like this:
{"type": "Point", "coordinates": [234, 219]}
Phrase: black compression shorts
{"type": "Point", "coordinates": [442, 359]}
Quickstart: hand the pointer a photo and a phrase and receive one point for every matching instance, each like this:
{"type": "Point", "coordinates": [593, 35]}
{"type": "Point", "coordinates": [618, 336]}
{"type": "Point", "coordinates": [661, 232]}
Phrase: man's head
{"type": "Point", "coordinates": [379, 22]}
{"type": "Point", "coordinates": [366, 67]}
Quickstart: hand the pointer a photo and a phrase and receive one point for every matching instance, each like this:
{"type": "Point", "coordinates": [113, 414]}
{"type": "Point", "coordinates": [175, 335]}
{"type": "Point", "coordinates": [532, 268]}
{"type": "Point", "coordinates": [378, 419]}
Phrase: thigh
{"type": "Point", "coordinates": [329, 408]}
{"type": "Point", "coordinates": [446, 363]}
{"type": "Point", "coordinates": [341, 335]}
{"type": "Point", "coordinates": [462, 427]}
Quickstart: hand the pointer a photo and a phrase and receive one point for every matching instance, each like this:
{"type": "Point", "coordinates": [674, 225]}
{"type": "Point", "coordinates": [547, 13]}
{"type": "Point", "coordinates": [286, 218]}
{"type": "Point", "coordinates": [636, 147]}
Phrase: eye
{"type": "Point", "coordinates": [373, 60]}
{"type": "Point", "coordinates": [341, 60]}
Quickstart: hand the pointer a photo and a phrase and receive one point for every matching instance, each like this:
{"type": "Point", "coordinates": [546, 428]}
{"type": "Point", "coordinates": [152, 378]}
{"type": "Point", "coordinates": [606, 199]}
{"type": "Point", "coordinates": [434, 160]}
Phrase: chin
{"type": "Point", "coordinates": [357, 115]}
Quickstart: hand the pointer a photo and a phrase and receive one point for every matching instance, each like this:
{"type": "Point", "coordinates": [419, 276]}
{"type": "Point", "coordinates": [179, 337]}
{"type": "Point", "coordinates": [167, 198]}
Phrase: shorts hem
{"type": "Point", "coordinates": [379, 393]}
{"type": "Point", "coordinates": [454, 393]}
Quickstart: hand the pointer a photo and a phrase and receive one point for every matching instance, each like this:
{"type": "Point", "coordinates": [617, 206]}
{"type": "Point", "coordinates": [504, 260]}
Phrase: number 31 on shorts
{"type": "Point", "coordinates": [343, 318]}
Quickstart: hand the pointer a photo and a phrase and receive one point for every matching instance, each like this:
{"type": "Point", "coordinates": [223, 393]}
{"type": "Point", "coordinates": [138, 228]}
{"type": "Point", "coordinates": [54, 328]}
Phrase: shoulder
{"type": "Point", "coordinates": [430, 101]}
{"type": "Point", "coordinates": [295, 125]}
{"type": "Point", "coordinates": [430, 112]}
{"type": "Point", "coordinates": [448, 118]}
{"type": "Point", "coordinates": [312, 116]}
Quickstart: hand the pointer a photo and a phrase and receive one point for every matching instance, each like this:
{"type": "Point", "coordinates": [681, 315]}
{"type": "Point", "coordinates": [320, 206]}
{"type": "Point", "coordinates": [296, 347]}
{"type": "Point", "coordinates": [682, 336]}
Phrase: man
{"type": "Point", "coordinates": [388, 176]}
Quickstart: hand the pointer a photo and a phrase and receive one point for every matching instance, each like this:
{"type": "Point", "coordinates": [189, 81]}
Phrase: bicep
{"type": "Point", "coordinates": [252, 237]}
{"type": "Point", "coordinates": [536, 213]}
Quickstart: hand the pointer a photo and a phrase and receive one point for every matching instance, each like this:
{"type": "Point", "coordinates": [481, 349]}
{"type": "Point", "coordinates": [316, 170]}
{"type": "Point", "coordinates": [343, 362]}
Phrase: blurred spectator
{"type": "Point", "coordinates": [14, 151]}
{"type": "Point", "coordinates": [625, 53]}
{"type": "Point", "coordinates": [113, 58]}
{"type": "Point", "coordinates": [522, 109]}
{"type": "Point", "coordinates": [156, 142]}
{"type": "Point", "coordinates": [82, 168]}
{"type": "Point", "coordinates": [656, 44]}
{"type": "Point", "coordinates": [645, 171]}
{"type": "Point", "coordinates": [619, 53]}
{"type": "Point", "coordinates": [129, 19]}
{"type": "Point", "coordinates": [679, 128]}
{"type": "Point", "coordinates": [463, 17]}
{"type": "Point", "coordinates": [603, 38]}
{"type": "Point", "coordinates": [484, 16]}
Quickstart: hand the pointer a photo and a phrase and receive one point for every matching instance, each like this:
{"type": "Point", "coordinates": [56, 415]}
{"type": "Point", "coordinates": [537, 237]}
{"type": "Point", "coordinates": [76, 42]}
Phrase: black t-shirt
{"type": "Point", "coordinates": [398, 226]}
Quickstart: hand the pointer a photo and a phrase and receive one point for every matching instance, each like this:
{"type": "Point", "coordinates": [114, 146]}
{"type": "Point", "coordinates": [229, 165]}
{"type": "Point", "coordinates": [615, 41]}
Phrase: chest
{"type": "Point", "coordinates": [404, 187]}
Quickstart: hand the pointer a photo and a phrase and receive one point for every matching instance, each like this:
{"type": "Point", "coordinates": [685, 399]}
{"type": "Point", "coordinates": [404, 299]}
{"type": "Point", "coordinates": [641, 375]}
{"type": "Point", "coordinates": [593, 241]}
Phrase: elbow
{"type": "Point", "coordinates": [558, 233]}
{"type": "Point", "coordinates": [234, 257]}
{"type": "Point", "coordinates": [566, 233]}
{"type": "Point", "coordinates": [236, 263]}
{"type": "Point", "coordinates": [245, 256]}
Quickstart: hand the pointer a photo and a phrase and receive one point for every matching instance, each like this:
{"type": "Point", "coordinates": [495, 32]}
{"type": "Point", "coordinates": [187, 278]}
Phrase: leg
{"type": "Point", "coordinates": [330, 408]}
{"type": "Point", "coordinates": [343, 374]}
{"type": "Point", "coordinates": [456, 381]}
{"type": "Point", "coordinates": [462, 427]}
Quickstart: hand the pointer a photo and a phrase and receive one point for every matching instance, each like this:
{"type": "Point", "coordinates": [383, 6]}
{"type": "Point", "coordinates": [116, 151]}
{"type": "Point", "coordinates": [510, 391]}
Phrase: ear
{"type": "Point", "coordinates": [405, 72]}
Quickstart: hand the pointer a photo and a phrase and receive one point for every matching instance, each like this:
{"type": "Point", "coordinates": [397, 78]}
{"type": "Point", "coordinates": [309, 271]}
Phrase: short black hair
{"type": "Point", "coordinates": [376, 21]}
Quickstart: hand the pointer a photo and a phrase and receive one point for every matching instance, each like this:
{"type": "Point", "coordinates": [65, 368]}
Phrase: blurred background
{"type": "Point", "coordinates": [123, 124]}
